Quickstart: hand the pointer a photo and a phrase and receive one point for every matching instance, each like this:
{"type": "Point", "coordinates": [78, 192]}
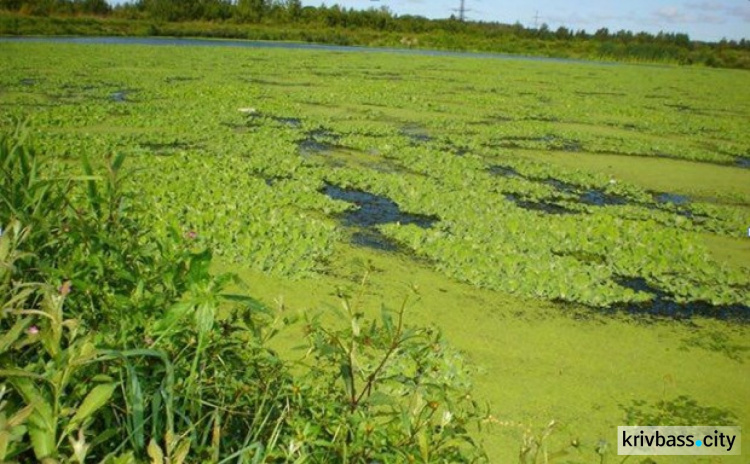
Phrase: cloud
{"type": "Point", "coordinates": [713, 8]}
{"type": "Point", "coordinates": [709, 12]}
{"type": "Point", "coordinates": [671, 14]}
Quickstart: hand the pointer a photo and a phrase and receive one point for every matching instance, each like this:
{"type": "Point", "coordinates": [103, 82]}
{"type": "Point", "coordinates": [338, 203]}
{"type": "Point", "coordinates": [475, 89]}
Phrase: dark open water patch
{"type": "Point", "coordinates": [272, 180]}
{"type": "Point", "coordinates": [505, 171]}
{"type": "Point", "coordinates": [675, 203]}
{"type": "Point", "coordinates": [416, 133]}
{"type": "Point", "coordinates": [458, 150]}
{"type": "Point", "coordinates": [310, 146]}
{"type": "Point", "coordinates": [121, 96]}
{"type": "Point", "coordinates": [373, 210]}
{"type": "Point", "coordinates": [323, 133]}
{"type": "Point", "coordinates": [255, 118]}
{"type": "Point", "coordinates": [670, 202]}
{"type": "Point", "coordinates": [671, 198]}
{"type": "Point", "coordinates": [595, 197]}
{"type": "Point", "coordinates": [743, 162]}
{"type": "Point", "coordinates": [549, 208]}
{"type": "Point", "coordinates": [560, 185]}
{"type": "Point", "coordinates": [592, 197]}
{"type": "Point", "coordinates": [291, 122]}
{"type": "Point", "coordinates": [663, 304]}
{"type": "Point", "coordinates": [318, 141]}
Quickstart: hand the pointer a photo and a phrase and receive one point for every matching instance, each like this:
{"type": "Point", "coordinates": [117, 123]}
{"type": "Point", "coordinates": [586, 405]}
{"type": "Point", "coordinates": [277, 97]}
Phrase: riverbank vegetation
{"type": "Point", "coordinates": [290, 21]}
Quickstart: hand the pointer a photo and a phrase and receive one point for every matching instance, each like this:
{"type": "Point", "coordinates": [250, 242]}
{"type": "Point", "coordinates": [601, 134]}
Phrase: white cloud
{"type": "Point", "coordinates": [708, 12]}
{"type": "Point", "coordinates": [671, 14]}
{"type": "Point", "coordinates": [713, 8]}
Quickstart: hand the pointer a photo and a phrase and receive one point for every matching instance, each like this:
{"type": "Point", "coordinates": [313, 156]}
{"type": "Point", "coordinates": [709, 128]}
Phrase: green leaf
{"type": "Point", "coordinates": [424, 447]}
{"type": "Point", "coordinates": [386, 316]}
{"type": "Point", "coordinates": [134, 398]}
{"type": "Point", "coordinates": [155, 453]}
{"type": "Point", "coordinates": [97, 397]}
{"type": "Point", "coordinates": [204, 318]}
{"type": "Point", "coordinates": [91, 190]}
{"type": "Point", "coordinates": [348, 376]}
{"type": "Point", "coordinates": [42, 422]}
{"type": "Point", "coordinates": [13, 334]}
{"type": "Point", "coordinates": [174, 315]}
{"type": "Point", "coordinates": [200, 264]}
{"type": "Point", "coordinates": [118, 162]}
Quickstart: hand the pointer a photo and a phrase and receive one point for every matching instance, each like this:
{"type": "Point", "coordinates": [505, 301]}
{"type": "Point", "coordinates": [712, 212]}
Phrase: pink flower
{"type": "Point", "coordinates": [33, 330]}
{"type": "Point", "coordinates": [192, 235]}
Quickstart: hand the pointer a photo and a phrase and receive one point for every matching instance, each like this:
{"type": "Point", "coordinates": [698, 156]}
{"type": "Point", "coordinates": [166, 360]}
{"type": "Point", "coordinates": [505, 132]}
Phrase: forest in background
{"type": "Point", "coordinates": [290, 20]}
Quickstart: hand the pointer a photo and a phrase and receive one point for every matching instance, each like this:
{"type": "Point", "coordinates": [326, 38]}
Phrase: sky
{"type": "Point", "coordinates": [709, 20]}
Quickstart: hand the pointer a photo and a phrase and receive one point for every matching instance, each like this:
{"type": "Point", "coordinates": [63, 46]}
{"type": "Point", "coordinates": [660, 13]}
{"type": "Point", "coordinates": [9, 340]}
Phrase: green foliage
{"type": "Point", "coordinates": [388, 392]}
{"type": "Point", "coordinates": [92, 375]}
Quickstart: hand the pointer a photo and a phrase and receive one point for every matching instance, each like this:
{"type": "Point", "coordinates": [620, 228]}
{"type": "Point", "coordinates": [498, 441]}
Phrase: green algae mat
{"type": "Point", "coordinates": [579, 230]}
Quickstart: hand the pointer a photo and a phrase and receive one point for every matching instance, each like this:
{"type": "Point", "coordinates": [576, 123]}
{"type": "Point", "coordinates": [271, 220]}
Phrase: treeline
{"type": "Point", "coordinates": [290, 20]}
{"type": "Point", "coordinates": [49, 7]}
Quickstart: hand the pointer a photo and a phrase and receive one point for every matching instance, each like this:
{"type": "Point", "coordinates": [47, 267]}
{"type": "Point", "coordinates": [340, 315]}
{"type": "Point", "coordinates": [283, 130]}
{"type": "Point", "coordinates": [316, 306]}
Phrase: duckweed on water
{"type": "Point", "coordinates": [238, 178]}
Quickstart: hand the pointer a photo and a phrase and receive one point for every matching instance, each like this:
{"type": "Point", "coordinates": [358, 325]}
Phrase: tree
{"type": "Point", "coordinates": [99, 7]}
{"type": "Point", "coordinates": [563, 33]}
{"type": "Point", "coordinates": [251, 11]}
{"type": "Point", "coordinates": [294, 10]}
{"type": "Point", "coordinates": [602, 34]}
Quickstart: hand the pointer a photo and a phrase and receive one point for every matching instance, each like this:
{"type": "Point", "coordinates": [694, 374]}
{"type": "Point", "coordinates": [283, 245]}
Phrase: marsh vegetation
{"type": "Point", "coordinates": [577, 232]}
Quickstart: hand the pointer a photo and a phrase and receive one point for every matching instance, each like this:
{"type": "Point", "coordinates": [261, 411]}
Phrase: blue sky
{"type": "Point", "coordinates": [701, 19]}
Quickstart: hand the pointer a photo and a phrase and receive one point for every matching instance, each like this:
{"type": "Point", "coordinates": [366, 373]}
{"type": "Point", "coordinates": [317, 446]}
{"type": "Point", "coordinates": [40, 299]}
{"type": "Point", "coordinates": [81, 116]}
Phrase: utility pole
{"type": "Point", "coordinates": [461, 10]}
{"type": "Point", "coordinates": [536, 20]}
